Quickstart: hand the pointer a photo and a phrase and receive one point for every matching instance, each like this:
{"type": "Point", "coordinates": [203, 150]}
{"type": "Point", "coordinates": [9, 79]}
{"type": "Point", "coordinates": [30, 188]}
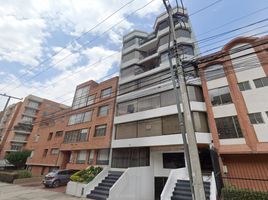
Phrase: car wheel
{"type": "Point", "coordinates": [56, 184]}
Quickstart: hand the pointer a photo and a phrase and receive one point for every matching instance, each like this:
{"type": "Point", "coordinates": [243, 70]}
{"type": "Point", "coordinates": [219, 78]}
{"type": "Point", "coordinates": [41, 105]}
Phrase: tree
{"type": "Point", "coordinates": [18, 159]}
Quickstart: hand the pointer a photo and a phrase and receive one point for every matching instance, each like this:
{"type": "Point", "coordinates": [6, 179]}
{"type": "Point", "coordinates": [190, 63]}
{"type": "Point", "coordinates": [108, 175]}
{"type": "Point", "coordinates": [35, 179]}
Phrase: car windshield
{"type": "Point", "coordinates": [52, 173]}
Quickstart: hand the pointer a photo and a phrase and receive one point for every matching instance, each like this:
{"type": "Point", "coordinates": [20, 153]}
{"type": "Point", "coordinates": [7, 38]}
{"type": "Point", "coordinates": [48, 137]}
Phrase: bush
{"type": "Point", "coordinates": [18, 158]}
{"type": "Point", "coordinates": [8, 177]}
{"type": "Point", "coordinates": [86, 175]}
{"type": "Point", "coordinates": [234, 193]}
{"type": "Point", "coordinates": [24, 174]}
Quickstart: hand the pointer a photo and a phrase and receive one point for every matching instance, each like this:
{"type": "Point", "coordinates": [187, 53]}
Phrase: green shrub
{"type": "Point", "coordinates": [24, 174]}
{"type": "Point", "coordinates": [8, 177]}
{"type": "Point", "coordinates": [18, 159]}
{"type": "Point", "coordinates": [86, 175]}
{"type": "Point", "coordinates": [234, 193]}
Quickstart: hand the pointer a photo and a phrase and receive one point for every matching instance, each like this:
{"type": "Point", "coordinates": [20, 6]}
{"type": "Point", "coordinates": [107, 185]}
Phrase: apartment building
{"type": "Point", "coordinates": [46, 137]}
{"type": "Point", "coordinates": [146, 129]}
{"type": "Point", "coordinates": [19, 124]}
{"type": "Point", "coordinates": [77, 137]}
{"type": "Point", "coordinates": [6, 122]}
{"type": "Point", "coordinates": [234, 82]}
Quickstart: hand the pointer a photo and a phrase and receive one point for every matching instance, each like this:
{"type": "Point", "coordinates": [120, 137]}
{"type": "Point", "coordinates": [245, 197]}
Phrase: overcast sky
{"type": "Point", "coordinates": [32, 31]}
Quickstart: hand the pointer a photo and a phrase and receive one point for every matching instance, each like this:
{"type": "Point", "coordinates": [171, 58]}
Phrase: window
{"type": "Point", "coordinates": [45, 152]}
{"type": "Point", "coordinates": [173, 160]}
{"type": "Point", "coordinates": [80, 98]}
{"type": "Point", "coordinates": [255, 118]}
{"type": "Point", "coordinates": [214, 72]}
{"type": "Point", "coordinates": [16, 147]}
{"type": "Point", "coordinates": [55, 151]}
{"type": "Point", "coordinates": [100, 130]}
{"type": "Point", "coordinates": [150, 127]}
{"type": "Point", "coordinates": [32, 154]}
{"type": "Point", "coordinates": [76, 136]}
{"type": "Point", "coordinates": [170, 124]}
{"type": "Point", "coordinates": [103, 111]}
{"type": "Point", "coordinates": [266, 113]}
{"type": "Point", "coordinates": [106, 93]}
{"type": "Point", "coordinates": [59, 134]}
{"type": "Point", "coordinates": [27, 119]}
{"type": "Point", "coordinates": [261, 82]}
{"type": "Point", "coordinates": [80, 118]}
{"type": "Point", "coordinates": [187, 49]}
{"type": "Point", "coordinates": [36, 138]}
{"type": "Point", "coordinates": [102, 157]}
{"type": "Point", "coordinates": [20, 137]}
{"type": "Point", "coordinates": [244, 86]}
{"type": "Point", "coordinates": [30, 111]}
{"type": "Point", "coordinates": [33, 104]}
{"type": "Point", "coordinates": [220, 96]}
{"type": "Point", "coordinates": [130, 157]}
{"type": "Point", "coordinates": [129, 43]}
{"type": "Point", "coordinates": [130, 71]}
{"type": "Point", "coordinates": [126, 130]}
{"type": "Point", "coordinates": [50, 136]}
{"type": "Point", "coordinates": [127, 107]}
{"type": "Point", "coordinates": [91, 99]}
{"type": "Point", "coordinates": [150, 102]}
{"type": "Point", "coordinates": [81, 157]}
{"type": "Point", "coordinates": [164, 57]}
{"type": "Point", "coordinates": [128, 56]}
{"type": "Point", "coordinates": [91, 157]}
{"type": "Point", "coordinates": [228, 127]}
{"type": "Point", "coordinates": [168, 98]}
{"type": "Point", "coordinates": [183, 33]}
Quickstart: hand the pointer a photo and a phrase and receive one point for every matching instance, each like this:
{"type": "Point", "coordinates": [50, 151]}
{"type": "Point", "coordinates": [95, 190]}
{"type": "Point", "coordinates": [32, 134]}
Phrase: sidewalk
{"type": "Point", "coordinates": [18, 192]}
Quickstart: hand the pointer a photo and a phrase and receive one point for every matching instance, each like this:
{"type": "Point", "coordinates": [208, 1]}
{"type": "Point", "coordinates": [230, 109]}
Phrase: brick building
{"type": "Point", "coordinates": [77, 137]}
{"type": "Point", "coordinates": [234, 82]}
{"type": "Point", "coordinates": [17, 124]}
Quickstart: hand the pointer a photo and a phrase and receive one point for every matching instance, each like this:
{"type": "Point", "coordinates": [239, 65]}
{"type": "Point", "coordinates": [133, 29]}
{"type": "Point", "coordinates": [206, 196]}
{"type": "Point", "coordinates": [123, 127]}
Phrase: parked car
{"type": "Point", "coordinates": [57, 178]}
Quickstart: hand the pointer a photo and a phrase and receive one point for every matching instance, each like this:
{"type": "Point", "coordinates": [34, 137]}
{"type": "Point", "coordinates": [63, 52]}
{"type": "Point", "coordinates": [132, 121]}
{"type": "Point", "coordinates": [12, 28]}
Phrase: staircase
{"type": "Point", "coordinates": [101, 192]}
{"type": "Point", "coordinates": [182, 190]}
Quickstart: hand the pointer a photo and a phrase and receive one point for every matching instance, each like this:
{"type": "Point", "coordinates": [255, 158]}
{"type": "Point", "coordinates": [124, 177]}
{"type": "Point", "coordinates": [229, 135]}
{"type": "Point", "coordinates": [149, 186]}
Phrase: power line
{"type": "Point", "coordinates": [82, 46]}
{"type": "Point", "coordinates": [76, 39]}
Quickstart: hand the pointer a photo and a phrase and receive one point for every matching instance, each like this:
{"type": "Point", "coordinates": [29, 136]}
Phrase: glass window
{"type": "Point", "coordinates": [127, 107]}
{"type": "Point", "coordinates": [164, 57]}
{"type": "Point", "coordinates": [129, 43]}
{"type": "Point", "coordinates": [33, 104]}
{"type": "Point", "coordinates": [103, 110]}
{"type": "Point", "coordinates": [220, 96]}
{"type": "Point", "coordinates": [187, 49]}
{"type": "Point", "coordinates": [50, 136]}
{"type": "Point", "coordinates": [168, 98]}
{"type": "Point", "coordinates": [59, 133]}
{"type": "Point", "coordinates": [183, 33]}
{"type": "Point", "coordinates": [214, 72]}
{"type": "Point", "coordinates": [91, 99]}
{"type": "Point", "coordinates": [256, 118]}
{"type": "Point", "coordinates": [261, 82]}
{"type": "Point", "coordinates": [76, 136]}
{"type": "Point", "coordinates": [244, 86]}
{"type": "Point", "coordinates": [170, 125]}
{"type": "Point", "coordinates": [36, 138]}
{"type": "Point", "coordinates": [32, 154]}
{"type": "Point", "coordinates": [45, 152]}
{"type": "Point", "coordinates": [164, 40]}
{"type": "Point", "coordinates": [55, 151]}
{"type": "Point", "coordinates": [80, 98]}
{"type": "Point", "coordinates": [151, 127]}
{"type": "Point", "coordinates": [130, 71]}
{"type": "Point", "coordinates": [150, 102]}
{"type": "Point", "coordinates": [30, 111]}
{"type": "Point", "coordinates": [16, 147]}
{"type": "Point", "coordinates": [27, 119]}
{"type": "Point", "coordinates": [80, 118]}
{"type": "Point", "coordinates": [81, 156]}
{"type": "Point", "coordinates": [128, 56]}
{"type": "Point", "coordinates": [106, 92]}
{"type": "Point", "coordinates": [91, 157]}
{"type": "Point", "coordinates": [126, 130]}
{"type": "Point", "coordinates": [102, 157]}
{"type": "Point", "coordinates": [163, 25]}
{"type": "Point", "coordinates": [100, 130]}
{"type": "Point", "coordinates": [228, 127]}
{"type": "Point", "coordinates": [173, 160]}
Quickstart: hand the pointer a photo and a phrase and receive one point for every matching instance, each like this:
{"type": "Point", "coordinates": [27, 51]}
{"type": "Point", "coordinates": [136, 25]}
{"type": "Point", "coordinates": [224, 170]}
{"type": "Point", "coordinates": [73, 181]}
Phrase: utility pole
{"type": "Point", "coordinates": [8, 99]}
{"type": "Point", "coordinates": [199, 192]}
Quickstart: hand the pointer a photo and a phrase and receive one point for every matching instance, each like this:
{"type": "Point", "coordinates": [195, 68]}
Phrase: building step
{"type": "Point", "coordinates": [97, 196]}
{"type": "Point", "coordinates": [100, 191]}
{"type": "Point", "coordinates": [187, 188]}
{"type": "Point", "coordinates": [106, 184]}
{"type": "Point", "coordinates": [181, 197]}
{"type": "Point", "coordinates": [109, 181]}
{"type": "Point", "coordinates": [99, 187]}
{"type": "Point", "coordinates": [115, 172]}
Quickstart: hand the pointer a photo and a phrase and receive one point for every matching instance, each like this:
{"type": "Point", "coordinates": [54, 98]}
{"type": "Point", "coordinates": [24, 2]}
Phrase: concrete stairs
{"type": "Point", "coordinates": [101, 192]}
{"type": "Point", "coordinates": [182, 190]}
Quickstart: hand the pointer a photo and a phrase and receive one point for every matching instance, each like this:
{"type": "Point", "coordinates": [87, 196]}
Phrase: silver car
{"type": "Point", "coordinates": [57, 178]}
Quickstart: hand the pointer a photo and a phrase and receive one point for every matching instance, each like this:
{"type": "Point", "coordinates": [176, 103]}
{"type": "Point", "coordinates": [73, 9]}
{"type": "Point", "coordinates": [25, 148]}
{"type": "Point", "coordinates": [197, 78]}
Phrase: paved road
{"type": "Point", "coordinates": [18, 192]}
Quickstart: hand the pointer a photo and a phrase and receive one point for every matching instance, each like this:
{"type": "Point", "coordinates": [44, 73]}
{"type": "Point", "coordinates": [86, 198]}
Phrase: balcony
{"type": "Point", "coordinates": [23, 132]}
{"type": "Point", "coordinates": [19, 141]}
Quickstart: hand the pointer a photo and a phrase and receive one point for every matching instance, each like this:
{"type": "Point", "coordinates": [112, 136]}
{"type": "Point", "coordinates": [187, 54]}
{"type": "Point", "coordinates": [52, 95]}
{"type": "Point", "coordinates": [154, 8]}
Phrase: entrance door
{"type": "Point", "coordinates": [159, 184]}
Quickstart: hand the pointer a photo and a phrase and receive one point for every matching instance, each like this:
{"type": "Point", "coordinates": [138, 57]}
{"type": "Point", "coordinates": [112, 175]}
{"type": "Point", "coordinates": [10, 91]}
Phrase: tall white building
{"type": "Point", "coordinates": [146, 129]}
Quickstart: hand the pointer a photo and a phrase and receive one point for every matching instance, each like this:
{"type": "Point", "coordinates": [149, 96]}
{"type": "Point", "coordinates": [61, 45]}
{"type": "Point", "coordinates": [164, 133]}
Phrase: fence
{"type": "Point", "coordinates": [236, 188]}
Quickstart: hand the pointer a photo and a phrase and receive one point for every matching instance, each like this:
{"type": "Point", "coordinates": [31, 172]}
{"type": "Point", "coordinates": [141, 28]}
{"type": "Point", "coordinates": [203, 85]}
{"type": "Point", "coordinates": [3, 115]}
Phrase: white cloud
{"type": "Point", "coordinates": [61, 88]}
